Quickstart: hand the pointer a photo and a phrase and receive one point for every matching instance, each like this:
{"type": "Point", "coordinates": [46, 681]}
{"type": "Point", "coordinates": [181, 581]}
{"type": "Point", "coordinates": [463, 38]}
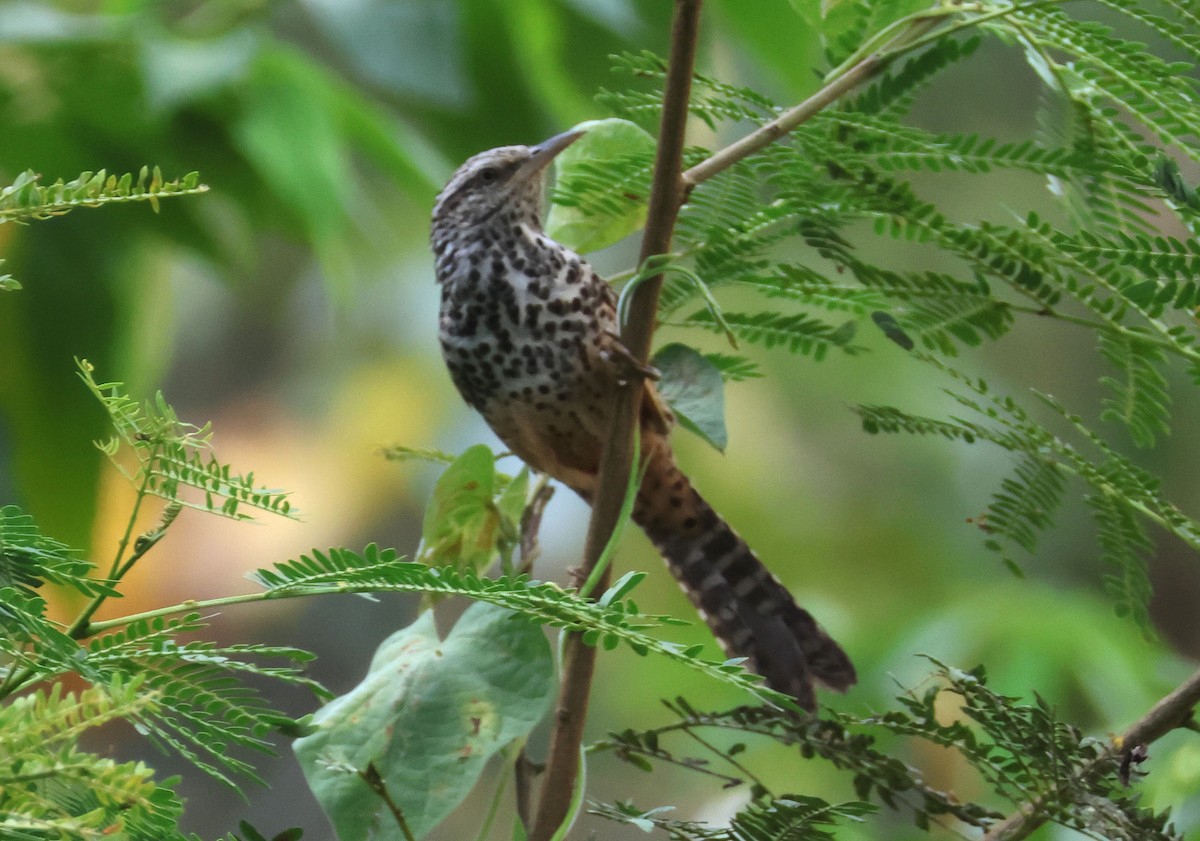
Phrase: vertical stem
{"type": "Point", "coordinates": [617, 459]}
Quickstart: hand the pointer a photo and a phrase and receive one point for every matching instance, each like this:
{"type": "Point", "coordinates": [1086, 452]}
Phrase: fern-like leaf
{"type": "Point", "coordinates": [25, 198]}
{"type": "Point", "coordinates": [790, 818]}
{"type": "Point", "coordinates": [893, 94]}
{"type": "Point", "coordinates": [1023, 507]}
{"type": "Point", "coordinates": [173, 456]}
{"type": "Point", "coordinates": [1124, 547]}
{"type": "Point", "coordinates": [797, 332]}
{"type": "Point", "coordinates": [608, 622]}
{"type": "Point", "coordinates": [1139, 393]}
{"type": "Point", "coordinates": [1159, 93]}
{"type": "Point", "coordinates": [49, 788]}
{"type": "Point", "coordinates": [28, 557]}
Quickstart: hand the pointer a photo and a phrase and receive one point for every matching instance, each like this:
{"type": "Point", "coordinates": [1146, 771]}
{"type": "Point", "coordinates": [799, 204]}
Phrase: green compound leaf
{"type": "Point", "coordinates": [602, 185]}
{"type": "Point", "coordinates": [427, 717]}
{"type": "Point", "coordinates": [695, 390]}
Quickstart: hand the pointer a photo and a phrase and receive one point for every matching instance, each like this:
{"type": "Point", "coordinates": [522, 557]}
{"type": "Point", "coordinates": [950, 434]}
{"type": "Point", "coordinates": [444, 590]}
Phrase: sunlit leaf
{"type": "Point", "coordinates": [612, 163]}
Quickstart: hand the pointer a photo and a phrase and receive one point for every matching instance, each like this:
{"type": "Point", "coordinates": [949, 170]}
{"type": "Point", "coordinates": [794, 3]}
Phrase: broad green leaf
{"type": "Point", "coordinates": [511, 502]}
{"type": "Point", "coordinates": [462, 522]}
{"type": "Point", "coordinates": [580, 165]}
{"type": "Point", "coordinates": [427, 716]}
{"type": "Point", "coordinates": [695, 390]}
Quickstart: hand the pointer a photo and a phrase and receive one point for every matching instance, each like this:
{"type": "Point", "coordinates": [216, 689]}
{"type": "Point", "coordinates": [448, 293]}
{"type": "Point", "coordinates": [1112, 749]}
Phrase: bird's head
{"type": "Point", "coordinates": [512, 178]}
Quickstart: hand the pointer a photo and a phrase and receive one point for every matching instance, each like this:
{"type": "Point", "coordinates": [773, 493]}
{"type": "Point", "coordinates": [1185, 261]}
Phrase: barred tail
{"type": "Point", "coordinates": [749, 611]}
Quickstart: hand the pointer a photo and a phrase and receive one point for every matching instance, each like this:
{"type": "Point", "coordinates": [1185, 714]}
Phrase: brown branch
{"type": "Point", "coordinates": [669, 190]}
{"type": "Point", "coordinates": [789, 120]}
{"type": "Point", "coordinates": [1174, 710]}
{"type": "Point", "coordinates": [666, 196]}
{"type": "Point", "coordinates": [870, 65]}
{"type": "Point", "coordinates": [374, 781]}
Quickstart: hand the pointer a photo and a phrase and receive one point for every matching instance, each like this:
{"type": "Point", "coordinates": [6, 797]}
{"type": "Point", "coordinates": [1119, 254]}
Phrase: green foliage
{"type": "Point", "coordinates": [693, 386]}
{"type": "Point", "coordinates": [473, 516]}
{"type": "Point", "coordinates": [29, 558]}
{"type": "Point", "coordinates": [1026, 754]}
{"type": "Point", "coordinates": [836, 738]}
{"type": "Point", "coordinates": [172, 456]}
{"type": "Point", "coordinates": [49, 788]}
{"type": "Point", "coordinates": [1022, 754]}
{"type": "Point", "coordinates": [191, 696]}
{"type": "Point", "coordinates": [810, 224]}
{"type": "Point", "coordinates": [603, 180]}
{"type": "Point", "coordinates": [27, 199]}
{"type": "Point", "coordinates": [428, 709]}
{"type": "Point", "coordinates": [207, 709]}
{"type": "Point", "coordinates": [807, 223]}
{"type": "Point", "coordinates": [607, 622]}
{"type": "Point", "coordinates": [1122, 495]}
{"type": "Point", "coordinates": [187, 696]}
{"type": "Point", "coordinates": [733, 368]}
{"type": "Point", "coordinates": [788, 818]}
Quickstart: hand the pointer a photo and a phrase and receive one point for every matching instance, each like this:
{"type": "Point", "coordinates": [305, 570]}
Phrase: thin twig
{"type": "Point", "coordinates": [616, 462]}
{"type": "Point", "coordinates": [531, 522]}
{"type": "Point", "coordinates": [768, 133]}
{"type": "Point", "coordinates": [841, 82]}
{"type": "Point", "coordinates": [1174, 710]}
{"type": "Point", "coordinates": [728, 757]}
{"type": "Point", "coordinates": [375, 782]}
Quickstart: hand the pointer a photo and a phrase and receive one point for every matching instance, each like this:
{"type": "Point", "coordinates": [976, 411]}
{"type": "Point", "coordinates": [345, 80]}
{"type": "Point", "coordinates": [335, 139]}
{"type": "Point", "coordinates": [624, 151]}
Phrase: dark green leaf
{"type": "Point", "coordinates": [695, 390]}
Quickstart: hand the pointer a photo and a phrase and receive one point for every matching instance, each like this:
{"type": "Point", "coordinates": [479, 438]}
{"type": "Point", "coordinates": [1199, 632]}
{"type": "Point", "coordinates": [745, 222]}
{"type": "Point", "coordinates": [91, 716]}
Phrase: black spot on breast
{"type": "Point", "coordinates": [532, 312]}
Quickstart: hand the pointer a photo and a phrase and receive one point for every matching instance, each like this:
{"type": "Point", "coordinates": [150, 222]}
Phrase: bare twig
{"type": "Point", "coordinates": [375, 782]}
{"type": "Point", "coordinates": [531, 523]}
{"type": "Point", "coordinates": [617, 459]}
{"type": "Point", "coordinates": [768, 133]}
{"type": "Point", "coordinates": [1174, 710]}
{"type": "Point", "coordinates": [838, 85]}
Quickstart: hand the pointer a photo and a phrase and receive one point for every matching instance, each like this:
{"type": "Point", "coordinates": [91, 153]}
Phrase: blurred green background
{"type": "Point", "coordinates": [294, 306]}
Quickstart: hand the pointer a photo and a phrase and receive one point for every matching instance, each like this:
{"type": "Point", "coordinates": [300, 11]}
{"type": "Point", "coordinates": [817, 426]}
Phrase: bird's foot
{"type": "Point", "coordinates": [628, 366]}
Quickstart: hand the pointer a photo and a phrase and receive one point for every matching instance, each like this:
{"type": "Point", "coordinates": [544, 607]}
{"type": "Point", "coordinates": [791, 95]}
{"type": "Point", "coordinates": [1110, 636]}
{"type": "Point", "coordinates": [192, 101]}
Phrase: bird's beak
{"type": "Point", "coordinates": [547, 150]}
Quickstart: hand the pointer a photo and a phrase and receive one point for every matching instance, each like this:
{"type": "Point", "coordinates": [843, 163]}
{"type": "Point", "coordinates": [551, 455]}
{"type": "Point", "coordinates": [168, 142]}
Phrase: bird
{"type": "Point", "coordinates": [529, 333]}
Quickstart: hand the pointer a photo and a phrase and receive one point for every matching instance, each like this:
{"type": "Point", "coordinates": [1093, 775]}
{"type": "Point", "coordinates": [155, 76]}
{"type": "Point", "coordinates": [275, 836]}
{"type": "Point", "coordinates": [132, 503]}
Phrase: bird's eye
{"type": "Point", "coordinates": [488, 174]}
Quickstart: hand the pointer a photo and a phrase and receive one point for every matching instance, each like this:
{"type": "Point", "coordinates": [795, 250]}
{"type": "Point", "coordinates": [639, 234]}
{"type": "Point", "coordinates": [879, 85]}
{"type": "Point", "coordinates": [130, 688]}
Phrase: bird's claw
{"type": "Point", "coordinates": [627, 365]}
